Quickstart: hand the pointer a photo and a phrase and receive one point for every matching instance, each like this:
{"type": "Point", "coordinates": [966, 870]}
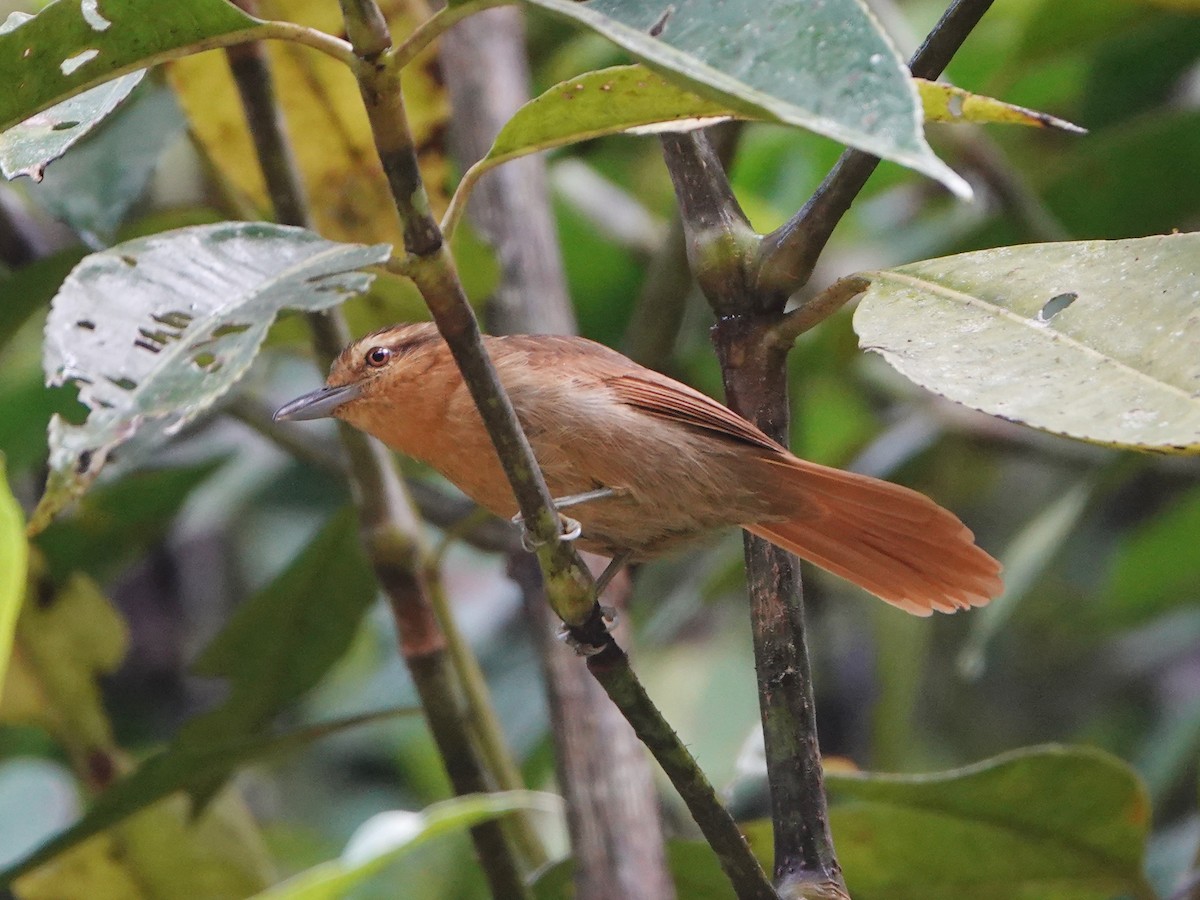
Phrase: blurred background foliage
{"type": "Point", "coordinates": [1097, 642]}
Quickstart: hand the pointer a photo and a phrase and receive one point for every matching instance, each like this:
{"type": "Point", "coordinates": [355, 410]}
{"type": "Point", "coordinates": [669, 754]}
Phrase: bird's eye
{"type": "Point", "coordinates": [378, 356]}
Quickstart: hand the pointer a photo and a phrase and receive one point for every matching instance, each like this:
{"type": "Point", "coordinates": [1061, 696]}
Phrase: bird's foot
{"type": "Point", "coordinates": [568, 530]}
{"type": "Point", "coordinates": [580, 646]}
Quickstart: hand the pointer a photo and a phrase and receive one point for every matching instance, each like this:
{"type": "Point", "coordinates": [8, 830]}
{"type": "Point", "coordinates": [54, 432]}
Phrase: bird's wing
{"type": "Point", "coordinates": [669, 399]}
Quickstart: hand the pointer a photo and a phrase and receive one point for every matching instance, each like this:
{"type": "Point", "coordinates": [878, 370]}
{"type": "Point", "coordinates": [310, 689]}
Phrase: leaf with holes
{"type": "Point", "coordinates": [27, 149]}
{"type": "Point", "coordinates": [156, 329]}
{"type": "Point", "coordinates": [826, 66]}
{"type": "Point", "coordinates": [73, 45]}
{"type": "Point", "coordinates": [1095, 340]}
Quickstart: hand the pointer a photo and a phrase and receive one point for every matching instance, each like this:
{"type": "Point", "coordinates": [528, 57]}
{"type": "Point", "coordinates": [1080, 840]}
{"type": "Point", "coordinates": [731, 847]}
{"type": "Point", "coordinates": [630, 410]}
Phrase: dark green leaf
{"type": "Point", "coordinates": [285, 638]}
{"type": "Point", "coordinates": [72, 45]}
{"type": "Point", "coordinates": [1157, 568]}
{"type": "Point", "coordinates": [822, 66]}
{"type": "Point", "coordinates": [1045, 823]}
{"type": "Point", "coordinates": [120, 520]}
{"type": "Point", "coordinates": [31, 288]}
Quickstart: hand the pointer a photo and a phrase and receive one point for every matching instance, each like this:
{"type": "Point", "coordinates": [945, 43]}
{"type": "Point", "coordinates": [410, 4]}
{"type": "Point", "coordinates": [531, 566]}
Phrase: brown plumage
{"type": "Point", "coordinates": [684, 464]}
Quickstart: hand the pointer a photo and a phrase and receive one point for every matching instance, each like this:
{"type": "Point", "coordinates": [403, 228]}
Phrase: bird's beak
{"type": "Point", "coordinates": [319, 404]}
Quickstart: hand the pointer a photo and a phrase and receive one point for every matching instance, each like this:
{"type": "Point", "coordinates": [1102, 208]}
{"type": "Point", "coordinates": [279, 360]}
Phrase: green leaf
{"type": "Point", "coordinates": [165, 853]}
{"type": "Point", "coordinates": [1094, 340]}
{"type": "Point", "coordinates": [388, 837]}
{"type": "Point", "coordinates": [286, 637]}
{"type": "Point", "coordinates": [947, 103]}
{"type": "Point", "coordinates": [120, 520]}
{"type": "Point", "coordinates": [827, 67]}
{"type": "Point", "coordinates": [1157, 568]}
{"type": "Point", "coordinates": [607, 101]}
{"type": "Point", "coordinates": [1044, 823]}
{"type": "Point", "coordinates": [191, 766]}
{"type": "Point", "coordinates": [72, 45]}
{"type": "Point", "coordinates": [66, 642]}
{"type": "Point", "coordinates": [154, 330]}
{"type": "Point", "coordinates": [27, 149]}
{"type": "Point", "coordinates": [14, 564]}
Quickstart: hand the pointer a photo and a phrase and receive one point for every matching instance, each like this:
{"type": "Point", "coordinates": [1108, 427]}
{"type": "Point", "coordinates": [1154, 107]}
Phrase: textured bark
{"type": "Point", "coordinates": [612, 807]}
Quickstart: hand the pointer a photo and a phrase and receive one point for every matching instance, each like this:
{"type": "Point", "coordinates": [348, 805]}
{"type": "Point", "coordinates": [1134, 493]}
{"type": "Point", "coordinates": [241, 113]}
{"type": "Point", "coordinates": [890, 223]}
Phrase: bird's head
{"type": "Point", "coordinates": [372, 375]}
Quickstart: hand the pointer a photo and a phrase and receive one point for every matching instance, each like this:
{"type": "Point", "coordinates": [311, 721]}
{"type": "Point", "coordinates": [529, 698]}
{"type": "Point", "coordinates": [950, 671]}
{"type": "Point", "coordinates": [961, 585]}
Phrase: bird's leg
{"type": "Point", "coordinates": [615, 565]}
{"type": "Point", "coordinates": [571, 529]}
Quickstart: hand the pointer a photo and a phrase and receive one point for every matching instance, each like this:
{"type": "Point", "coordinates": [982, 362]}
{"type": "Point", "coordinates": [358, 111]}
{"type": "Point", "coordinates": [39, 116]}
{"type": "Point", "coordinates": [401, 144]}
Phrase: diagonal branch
{"type": "Point", "coordinates": [429, 265]}
{"type": "Point", "coordinates": [603, 771]}
{"type": "Point", "coordinates": [390, 529]}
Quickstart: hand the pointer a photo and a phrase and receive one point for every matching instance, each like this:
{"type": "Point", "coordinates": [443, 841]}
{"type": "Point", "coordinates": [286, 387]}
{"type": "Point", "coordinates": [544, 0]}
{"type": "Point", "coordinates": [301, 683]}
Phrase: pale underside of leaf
{"type": "Point", "coordinates": [27, 149]}
{"type": "Point", "coordinates": [1095, 340]}
{"type": "Point", "coordinates": [156, 329]}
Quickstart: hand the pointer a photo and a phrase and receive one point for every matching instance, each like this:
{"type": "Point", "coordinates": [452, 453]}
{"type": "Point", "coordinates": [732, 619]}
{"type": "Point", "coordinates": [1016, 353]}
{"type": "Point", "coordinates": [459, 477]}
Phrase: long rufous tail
{"type": "Point", "coordinates": [892, 541]}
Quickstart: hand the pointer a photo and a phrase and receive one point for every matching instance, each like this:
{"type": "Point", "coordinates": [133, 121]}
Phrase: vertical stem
{"type": "Point", "coordinates": [603, 770]}
{"type": "Point", "coordinates": [755, 373]}
{"type": "Point", "coordinates": [753, 365]}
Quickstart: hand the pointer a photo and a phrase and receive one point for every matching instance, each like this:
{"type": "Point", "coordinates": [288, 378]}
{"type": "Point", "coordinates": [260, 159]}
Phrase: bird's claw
{"type": "Point", "coordinates": [582, 646]}
{"type": "Point", "coordinates": [568, 530]}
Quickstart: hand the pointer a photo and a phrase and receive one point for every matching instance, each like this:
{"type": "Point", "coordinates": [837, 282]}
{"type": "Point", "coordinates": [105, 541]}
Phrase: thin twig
{"type": "Point", "coordinates": [437, 24]}
{"type": "Point", "coordinates": [818, 308]}
{"type": "Point", "coordinates": [788, 254]}
{"type": "Point", "coordinates": [611, 669]}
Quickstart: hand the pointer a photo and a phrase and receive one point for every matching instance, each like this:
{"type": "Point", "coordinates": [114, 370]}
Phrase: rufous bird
{"type": "Point", "coordinates": [648, 463]}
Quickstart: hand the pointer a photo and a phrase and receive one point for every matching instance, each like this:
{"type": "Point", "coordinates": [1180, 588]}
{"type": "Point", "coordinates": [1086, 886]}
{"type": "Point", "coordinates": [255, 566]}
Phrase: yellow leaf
{"type": "Point", "coordinates": [62, 646]}
{"type": "Point", "coordinates": [947, 103]}
{"type": "Point", "coordinates": [163, 853]}
{"type": "Point", "coordinates": [328, 128]}
{"type": "Point", "coordinates": [14, 561]}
